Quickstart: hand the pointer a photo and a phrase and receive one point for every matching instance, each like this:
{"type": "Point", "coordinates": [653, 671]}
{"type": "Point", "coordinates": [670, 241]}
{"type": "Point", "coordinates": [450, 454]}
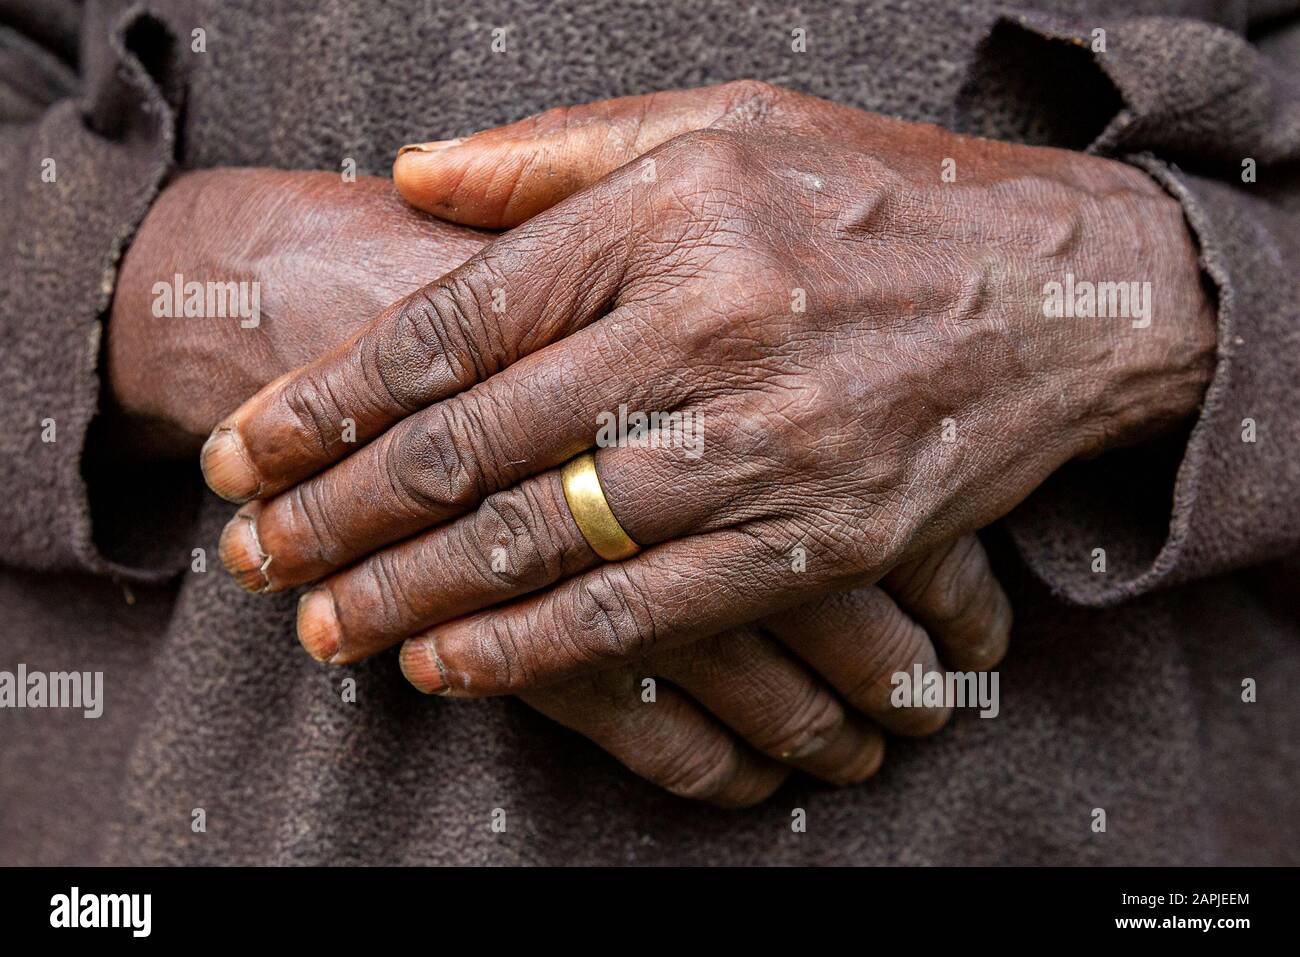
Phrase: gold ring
{"type": "Point", "coordinates": [591, 511]}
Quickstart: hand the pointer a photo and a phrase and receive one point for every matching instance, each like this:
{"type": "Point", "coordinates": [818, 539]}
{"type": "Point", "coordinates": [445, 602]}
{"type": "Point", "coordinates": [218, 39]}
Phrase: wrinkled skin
{"type": "Point", "coordinates": [920, 394]}
{"type": "Point", "coordinates": [329, 256]}
{"type": "Point", "coordinates": [734, 714]}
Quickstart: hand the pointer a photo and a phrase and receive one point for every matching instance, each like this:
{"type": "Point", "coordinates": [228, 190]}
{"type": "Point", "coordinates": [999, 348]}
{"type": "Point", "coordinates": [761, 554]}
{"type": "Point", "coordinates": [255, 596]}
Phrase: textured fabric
{"type": "Point", "coordinates": [1190, 101]}
{"type": "Point", "coordinates": [1133, 705]}
{"type": "Point", "coordinates": [82, 176]}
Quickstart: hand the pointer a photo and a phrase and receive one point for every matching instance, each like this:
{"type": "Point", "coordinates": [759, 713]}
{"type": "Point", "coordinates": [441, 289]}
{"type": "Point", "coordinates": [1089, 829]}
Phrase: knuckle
{"type": "Point", "coordinates": [412, 362]}
{"type": "Point", "coordinates": [697, 770]}
{"type": "Point", "coordinates": [434, 467]}
{"type": "Point", "coordinates": [726, 144]}
{"type": "Point", "coordinates": [387, 579]}
{"type": "Point", "coordinates": [308, 502]}
{"type": "Point", "coordinates": [515, 521]}
{"type": "Point", "coordinates": [445, 325]}
{"type": "Point", "coordinates": [712, 159]}
{"type": "Point", "coordinates": [317, 411]}
{"type": "Point", "coordinates": [902, 644]}
{"type": "Point", "coordinates": [803, 730]}
{"type": "Point", "coordinates": [752, 275]}
{"type": "Point", "coordinates": [506, 654]}
{"type": "Point", "coordinates": [959, 579]}
{"type": "Point", "coordinates": [547, 122]}
{"type": "Point", "coordinates": [609, 609]}
{"type": "Point", "coordinates": [464, 304]}
{"type": "Point", "coordinates": [751, 95]}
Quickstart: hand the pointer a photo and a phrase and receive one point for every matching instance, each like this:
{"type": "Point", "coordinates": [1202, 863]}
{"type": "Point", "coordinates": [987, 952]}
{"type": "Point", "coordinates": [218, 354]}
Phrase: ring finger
{"type": "Point", "coordinates": [515, 542]}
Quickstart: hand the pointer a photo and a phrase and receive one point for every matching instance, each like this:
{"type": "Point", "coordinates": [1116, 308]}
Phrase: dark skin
{"type": "Point", "coordinates": [733, 714]}
{"type": "Point", "coordinates": [329, 256]}
{"type": "Point", "coordinates": [920, 392]}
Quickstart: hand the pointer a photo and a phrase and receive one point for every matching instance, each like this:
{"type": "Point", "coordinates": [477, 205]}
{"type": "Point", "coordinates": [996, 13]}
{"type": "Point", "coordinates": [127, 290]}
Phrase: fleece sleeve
{"type": "Point", "coordinates": [88, 106]}
{"type": "Point", "coordinates": [1215, 119]}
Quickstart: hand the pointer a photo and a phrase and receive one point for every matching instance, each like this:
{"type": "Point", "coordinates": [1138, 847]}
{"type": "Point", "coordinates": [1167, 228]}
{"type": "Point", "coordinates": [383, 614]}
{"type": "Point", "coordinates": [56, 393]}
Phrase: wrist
{"type": "Point", "coordinates": [132, 413]}
{"type": "Point", "coordinates": [1154, 360]}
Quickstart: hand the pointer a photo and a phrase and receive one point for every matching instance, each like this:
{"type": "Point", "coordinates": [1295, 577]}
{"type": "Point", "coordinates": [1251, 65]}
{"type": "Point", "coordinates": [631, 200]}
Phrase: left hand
{"type": "Point", "coordinates": [726, 719]}
{"type": "Point", "coordinates": [324, 255]}
{"type": "Point", "coordinates": [864, 343]}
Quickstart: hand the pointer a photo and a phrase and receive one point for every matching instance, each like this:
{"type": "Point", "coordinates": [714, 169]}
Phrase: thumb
{"type": "Point", "coordinates": [500, 177]}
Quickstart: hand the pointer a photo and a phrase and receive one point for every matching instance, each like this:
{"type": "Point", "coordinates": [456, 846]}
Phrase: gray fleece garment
{"type": "Point", "coordinates": [1123, 690]}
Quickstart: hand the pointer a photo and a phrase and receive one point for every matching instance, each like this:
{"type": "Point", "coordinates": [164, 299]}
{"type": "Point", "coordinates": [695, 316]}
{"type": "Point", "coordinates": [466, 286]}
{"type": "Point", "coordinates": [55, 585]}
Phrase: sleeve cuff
{"type": "Point", "coordinates": [84, 176]}
{"type": "Point", "coordinates": [1210, 500]}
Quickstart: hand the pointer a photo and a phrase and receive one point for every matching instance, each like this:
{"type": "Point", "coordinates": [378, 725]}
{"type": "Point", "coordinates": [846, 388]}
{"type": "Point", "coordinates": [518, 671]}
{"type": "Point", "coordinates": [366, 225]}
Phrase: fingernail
{"type": "Point", "coordinates": [422, 667]}
{"type": "Point", "coordinates": [241, 552]}
{"type": "Point", "coordinates": [318, 624]}
{"type": "Point", "coordinates": [429, 147]}
{"type": "Point", "coordinates": [810, 747]}
{"type": "Point", "coordinates": [226, 467]}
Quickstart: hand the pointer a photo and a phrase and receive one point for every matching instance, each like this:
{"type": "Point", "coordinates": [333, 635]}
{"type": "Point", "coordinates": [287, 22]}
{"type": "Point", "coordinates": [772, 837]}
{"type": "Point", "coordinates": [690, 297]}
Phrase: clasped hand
{"type": "Point", "coordinates": [863, 345]}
